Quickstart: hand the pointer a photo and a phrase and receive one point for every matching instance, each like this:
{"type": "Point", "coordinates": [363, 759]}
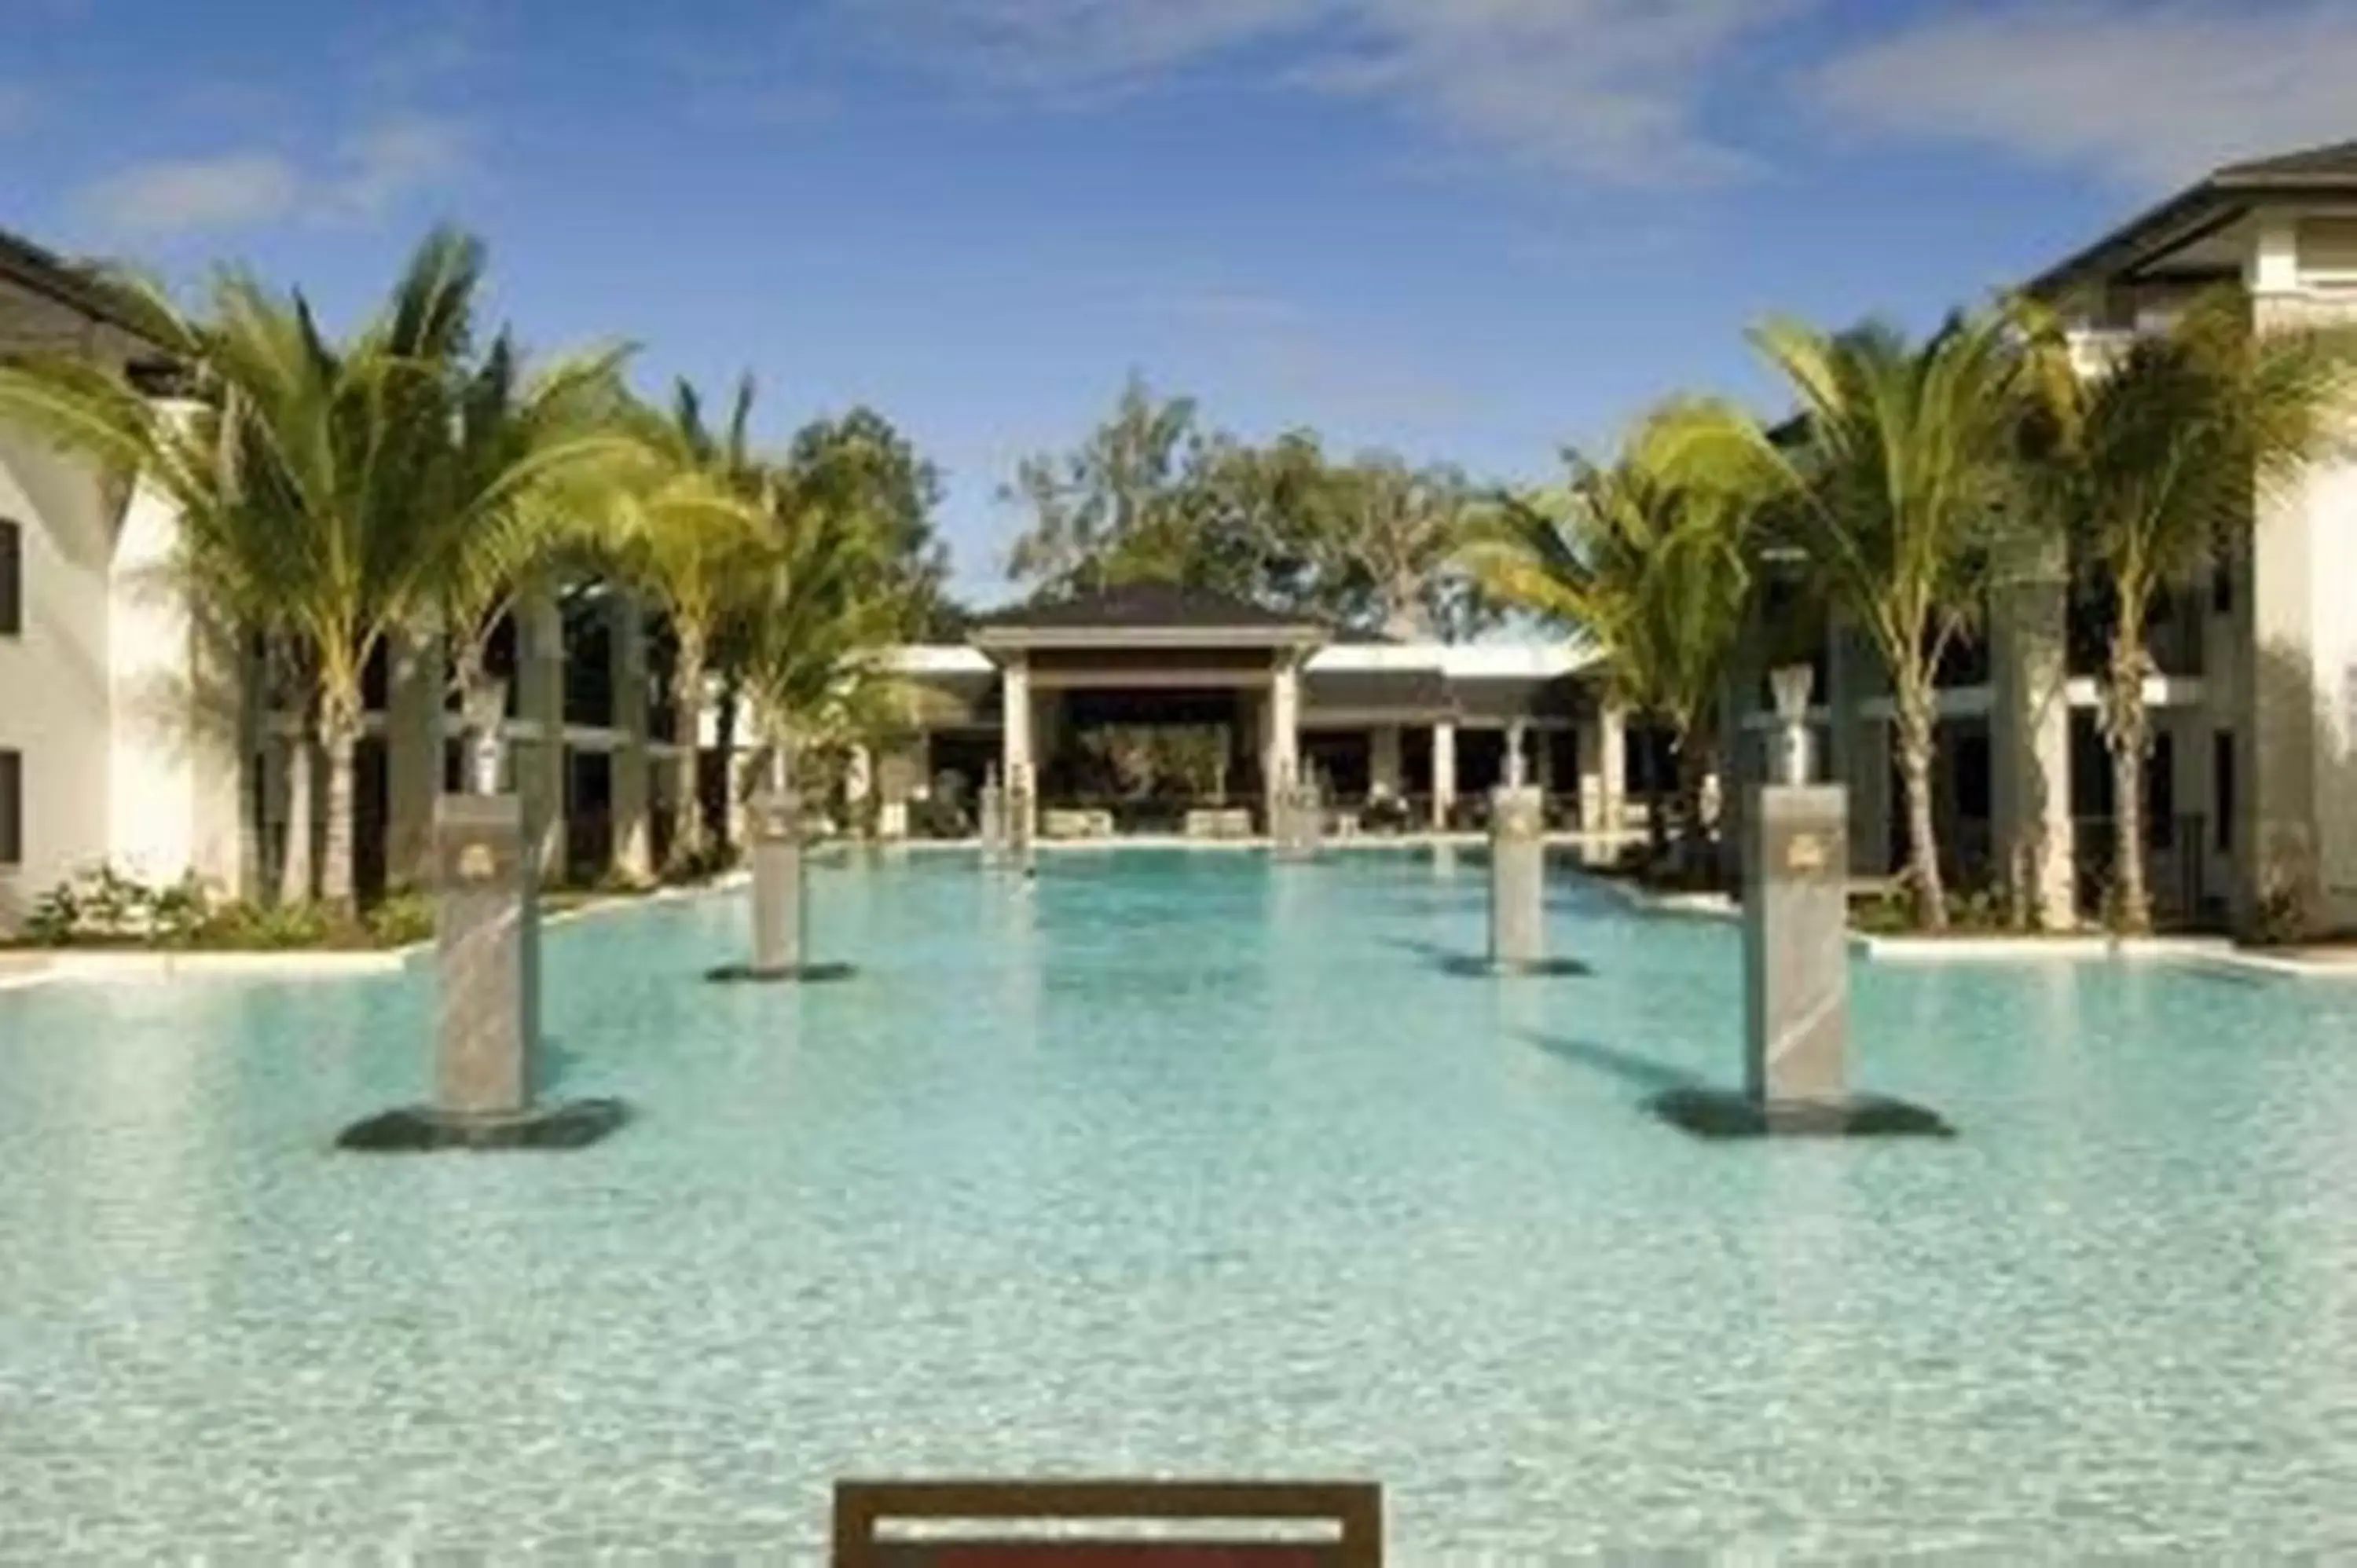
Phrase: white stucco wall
{"type": "Point", "coordinates": [54, 687]}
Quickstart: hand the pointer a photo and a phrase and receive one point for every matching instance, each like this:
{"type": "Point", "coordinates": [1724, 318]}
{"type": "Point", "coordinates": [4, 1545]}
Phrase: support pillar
{"type": "Point", "coordinates": [1444, 772]}
{"type": "Point", "coordinates": [1016, 734]}
{"type": "Point", "coordinates": [630, 770]}
{"type": "Point", "coordinates": [1281, 758]}
{"type": "Point", "coordinates": [2029, 739]}
{"type": "Point", "coordinates": [1612, 769]}
{"type": "Point", "coordinates": [540, 760]}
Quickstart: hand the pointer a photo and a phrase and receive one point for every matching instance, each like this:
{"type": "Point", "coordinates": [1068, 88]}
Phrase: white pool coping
{"type": "Point", "coordinates": [2217, 955]}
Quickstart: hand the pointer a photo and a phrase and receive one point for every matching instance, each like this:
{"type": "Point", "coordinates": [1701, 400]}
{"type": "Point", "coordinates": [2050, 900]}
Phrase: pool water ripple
{"type": "Point", "coordinates": [1184, 1164]}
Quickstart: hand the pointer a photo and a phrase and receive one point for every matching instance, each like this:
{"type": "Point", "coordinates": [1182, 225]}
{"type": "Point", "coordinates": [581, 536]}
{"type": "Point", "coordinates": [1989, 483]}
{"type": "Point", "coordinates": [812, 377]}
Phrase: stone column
{"type": "Point", "coordinates": [539, 761]}
{"type": "Point", "coordinates": [1016, 737]}
{"type": "Point", "coordinates": [1385, 773]}
{"type": "Point", "coordinates": [486, 949]}
{"type": "Point", "coordinates": [777, 885]}
{"type": "Point", "coordinates": [2029, 737]}
{"type": "Point", "coordinates": [990, 818]}
{"type": "Point", "coordinates": [1443, 772]}
{"type": "Point", "coordinates": [1517, 877]}
{"type": "Point", "coordinates": [1796, 946]}
{"type": "Point", "coordinates": [630, 768]}
{"type": "Point", "coordinates": [1281, 761]}
{"type": "Point", "coordinates": [1612, 768]}
{"type": "Point", "coordinates": [413, 756]}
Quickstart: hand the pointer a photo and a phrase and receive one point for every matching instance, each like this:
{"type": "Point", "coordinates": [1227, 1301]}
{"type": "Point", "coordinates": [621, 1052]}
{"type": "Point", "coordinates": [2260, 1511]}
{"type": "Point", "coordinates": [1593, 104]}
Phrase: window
{"type": "Point", "coordinates": [2160, 793]}
{"type": "Point", "coordinates": [12, 807]}
{"type": "Point", "coordinates": [2222, 588]}
{"type": "Point", "coordinates": [12, 578]}
{"type": "Point", "coordinates": [2222, 763]}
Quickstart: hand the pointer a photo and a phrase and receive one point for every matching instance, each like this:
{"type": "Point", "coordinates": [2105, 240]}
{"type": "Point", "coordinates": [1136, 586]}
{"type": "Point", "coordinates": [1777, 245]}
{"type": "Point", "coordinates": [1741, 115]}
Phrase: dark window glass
{"type": "Point", "coordinates": [2161, 792]}
{"type": "Point", "coordinates": [1971, 777]}
{"type": "Point", "coordinates": [2222, 588]}
{"type": "Point", "coordinates": [12, 578]}
{"type": "Point", "coordinates": [2222, 762]}
{"type": "Point", "coordinates": [12, 807]}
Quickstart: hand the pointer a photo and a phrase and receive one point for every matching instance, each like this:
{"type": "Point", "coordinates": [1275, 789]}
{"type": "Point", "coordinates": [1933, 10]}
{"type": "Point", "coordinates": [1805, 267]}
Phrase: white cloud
{"type": "Point", "coordinates": [1606, 91]}
{"type": "Point", "coordinates": [2148, 95]}
{"type": "Point", "coordinates": [179, 195]}
{"type": "Point", "coordinates": [372, 171]}
{"type": "Point", "coordinates": [388, 162]}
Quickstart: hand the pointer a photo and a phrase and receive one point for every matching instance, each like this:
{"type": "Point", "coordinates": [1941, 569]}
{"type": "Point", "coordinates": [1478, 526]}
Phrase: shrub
{"type": "Point", "coordinates": [1386, 814]}
{"type": "Point", "coordinates": [105, 908]}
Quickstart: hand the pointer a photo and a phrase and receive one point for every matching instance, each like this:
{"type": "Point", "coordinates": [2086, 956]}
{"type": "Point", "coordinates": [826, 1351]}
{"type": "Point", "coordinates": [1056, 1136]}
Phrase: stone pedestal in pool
{"type": "Point", "coordinates": [1518, 884]}
{"type": "Point", "coordinates": [1299, 828]}
{"type": "Point", "coordinates": [991, 818]}
{"type": "Point", "coordinates": [486, 1017]}
{"type": "Point", "coordinates": [1020, 854]}
{"type": "Point", "coordinates": [1795, 970]}
{"type": "Point", "coordinates": [778, 897]}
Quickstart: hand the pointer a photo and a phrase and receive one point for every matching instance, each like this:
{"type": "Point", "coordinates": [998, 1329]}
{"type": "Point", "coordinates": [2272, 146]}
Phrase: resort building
{"type": "Point", "coordinates": [131, 735]}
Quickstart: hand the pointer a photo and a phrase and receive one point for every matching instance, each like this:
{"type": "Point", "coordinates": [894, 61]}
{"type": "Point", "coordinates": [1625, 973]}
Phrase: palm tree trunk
{"type": "Point", "coordinates": [731, 703]}
{"type": "Point", "coordinates": [339, 732]}
{"type": "Point", "coordinates": [687, 707]}
{"type": "Point", "coordinates": [1915, 749]}
{"type": "Point", "coordinates": [2127, 731]}
{"type": "Point", "coordinates": [294, 866]}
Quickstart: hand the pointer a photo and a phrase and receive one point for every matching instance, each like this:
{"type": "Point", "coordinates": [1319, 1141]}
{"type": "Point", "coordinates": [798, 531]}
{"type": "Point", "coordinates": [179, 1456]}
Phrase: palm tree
{"type": "Point", "coordinates": [295, 464]}
{"type": "Point", "coordinates": [528, 469]}
{"type": "Point", "coordinates": [685, 530]}
{"type": "Point", "coordinates": [1652, 570]}
{"type": "Point", "coordinates": [2150, 465]}
{"type": "Point", "coordinates": [821, 602]}
{"type": "Point", "coordinates": [1899, 483]}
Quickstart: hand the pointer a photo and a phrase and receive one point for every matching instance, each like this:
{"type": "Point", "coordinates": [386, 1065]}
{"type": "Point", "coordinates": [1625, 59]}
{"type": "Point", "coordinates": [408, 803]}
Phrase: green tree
{"type": "Point", "coordinates": [860, 462]}
{"type": "Point", "coordinates": [818, 610]}
{"type": "Point", "coordinates": [1651, 569]}
{"type": "Point", "coordinates": [300, 468]}
{"type": "Point", "coordinates": [1899, 481]}
{"type": "Point", "coordinates": [2151, 465]}
{"type": "Point", "coordinates": [686, 531]}
{"type": "Point", "coordinates": [1385, 544]}
{"type": "Point", "coordinates": [1122, 508]}
{"type": "Point", "coordinates": [525, 467]}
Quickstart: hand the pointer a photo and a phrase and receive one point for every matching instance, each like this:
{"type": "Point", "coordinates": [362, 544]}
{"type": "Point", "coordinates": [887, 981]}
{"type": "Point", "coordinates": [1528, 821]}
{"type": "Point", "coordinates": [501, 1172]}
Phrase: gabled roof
{"type": "Point", "coordinates": [1150, 612]}
{"type": "Point", "coordinates": [2206, 206]}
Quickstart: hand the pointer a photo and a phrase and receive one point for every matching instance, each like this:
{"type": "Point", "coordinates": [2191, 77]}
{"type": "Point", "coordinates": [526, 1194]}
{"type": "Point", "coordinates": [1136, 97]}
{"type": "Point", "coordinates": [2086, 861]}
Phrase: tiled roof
{"type": "Point", "coordinates": [2207, 203]}
{"type": "Point", "coordinates": [1143, 607]}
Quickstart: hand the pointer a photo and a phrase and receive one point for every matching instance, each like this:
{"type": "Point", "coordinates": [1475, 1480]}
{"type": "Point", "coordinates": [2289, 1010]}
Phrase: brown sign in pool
{"type": "Point", "coordinates": [1226, 1524]}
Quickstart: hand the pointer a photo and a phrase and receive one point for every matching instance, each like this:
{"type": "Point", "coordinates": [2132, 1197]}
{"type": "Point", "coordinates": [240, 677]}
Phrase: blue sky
{"type": "Point", "coordinates": [1472, 230]}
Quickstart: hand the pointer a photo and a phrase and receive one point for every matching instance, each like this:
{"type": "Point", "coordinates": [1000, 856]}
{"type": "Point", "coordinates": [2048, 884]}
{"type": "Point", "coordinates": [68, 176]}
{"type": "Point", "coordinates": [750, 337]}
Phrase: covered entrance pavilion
{"type": "Point", "coordinates": [1139, 706]}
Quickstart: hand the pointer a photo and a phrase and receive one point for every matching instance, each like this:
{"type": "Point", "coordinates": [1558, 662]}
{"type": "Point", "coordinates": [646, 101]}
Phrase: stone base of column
{"type": "Point", "coordinates": [1721, 1115]}
{"type": "Point", "coordinates": [1299, 825]}
{"type": "Point", "coordinates": [990, 823]}
{"type": "Point", "coordinates": [1518, 885]}
{"type": "Point", "coordinates": [777, 900]}
{"type": "Point", "coordinates": [1020, 854]}
{"type": "Point", "coordinates": [1796, 988]}
{"type": "Point", "coordinates": [487, 961]}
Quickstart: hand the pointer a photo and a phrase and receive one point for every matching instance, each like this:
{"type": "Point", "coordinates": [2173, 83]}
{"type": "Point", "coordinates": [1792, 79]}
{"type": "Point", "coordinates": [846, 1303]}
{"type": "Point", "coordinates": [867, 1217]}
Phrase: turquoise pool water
{"type": "Point", "coordinates": [1184, 1164]}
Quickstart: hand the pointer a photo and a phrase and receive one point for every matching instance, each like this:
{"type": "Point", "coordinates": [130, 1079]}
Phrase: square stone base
{"type": "Point", "coordinates": [1726, 1114]}
{"type": "Point", "coordinates": [421, 1129]}
{"type": "Point", "coordinates": [786, 975]}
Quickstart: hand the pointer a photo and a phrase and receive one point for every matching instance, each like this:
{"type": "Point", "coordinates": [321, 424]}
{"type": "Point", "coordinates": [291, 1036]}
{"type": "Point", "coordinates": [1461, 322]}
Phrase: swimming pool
{"type": "Point", "coordinates": [1183, 1164]}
